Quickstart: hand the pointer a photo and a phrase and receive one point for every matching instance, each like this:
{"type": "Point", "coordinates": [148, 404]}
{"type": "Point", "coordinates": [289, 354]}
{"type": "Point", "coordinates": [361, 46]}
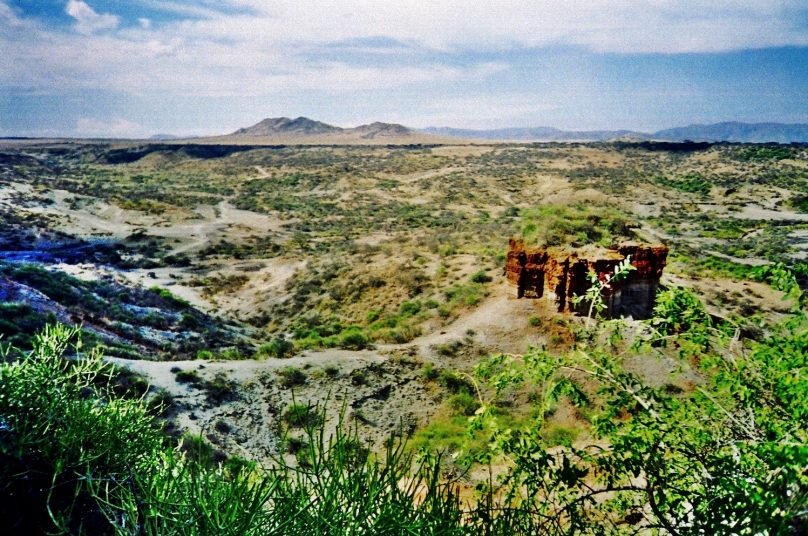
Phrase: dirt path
{"type": "Point", "coordinates": [499, 321]}
{"type": "Point", "coordinates": [243, 370]}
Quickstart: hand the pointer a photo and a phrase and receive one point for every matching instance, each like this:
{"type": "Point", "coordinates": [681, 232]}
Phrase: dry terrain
{"type": "Point", "coordinates": [370, 276]}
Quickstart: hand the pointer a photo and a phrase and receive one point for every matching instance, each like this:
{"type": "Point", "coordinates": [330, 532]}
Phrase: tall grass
{"type": "Point", "coordinates": [78, 460]}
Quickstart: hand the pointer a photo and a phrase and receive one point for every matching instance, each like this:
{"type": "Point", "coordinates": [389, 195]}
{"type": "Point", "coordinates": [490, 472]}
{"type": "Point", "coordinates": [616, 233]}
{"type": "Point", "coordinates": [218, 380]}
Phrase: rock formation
{"type": "Point", "coordinates": [561, 273]}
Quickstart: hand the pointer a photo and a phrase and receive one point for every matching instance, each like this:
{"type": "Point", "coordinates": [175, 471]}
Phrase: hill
{"type": "Point", "coordinates": [305, 131]}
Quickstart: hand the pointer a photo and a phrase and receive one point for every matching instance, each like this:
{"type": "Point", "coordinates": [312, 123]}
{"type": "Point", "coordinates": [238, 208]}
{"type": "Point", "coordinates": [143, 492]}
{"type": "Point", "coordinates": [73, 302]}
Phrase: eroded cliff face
{"type": "Point", "coordinates": [561, 273]}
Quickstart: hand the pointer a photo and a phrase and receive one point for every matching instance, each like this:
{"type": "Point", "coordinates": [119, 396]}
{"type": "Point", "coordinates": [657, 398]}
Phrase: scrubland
{"type": "Point", "coordinates": [256, 300]}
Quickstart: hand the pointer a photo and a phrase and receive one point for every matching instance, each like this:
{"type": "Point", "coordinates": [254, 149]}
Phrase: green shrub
{"type": "Point", "coordinates": [678, 310]}
{"type": "Point", "coordinates": [188, 376]}
{"type": "Point", "coordinates": [449, 349]}
{"type": "Point", "coordinates": [278, 347]}
{"type": "Point", "coordinates": [481, 277]}
{"type": "Point", "coordinates": [303, 416]}
{"type": "Point", "coordinates": [455, 382]}
{"type": "Point", "coordinates": [292, 377]}
{"type": "Point", "coordinates": [468, 294]}
{"type": "Point", "coordinates": [464, 402]}
{"type": "Point", "coordinates": [409, 308]}
{"type": "Point", "coordinates": [429, 372]}
{"type": "Point", "coordinates": [691, 183]}
{"type": "Point", "coordinates": [76, 461]}
{"type": "Point", "coordinates": [353, 338]}
{"type": "Point", "coordinates": [560, 435]}
{"type": "Point", "coordinates": [58, 424]}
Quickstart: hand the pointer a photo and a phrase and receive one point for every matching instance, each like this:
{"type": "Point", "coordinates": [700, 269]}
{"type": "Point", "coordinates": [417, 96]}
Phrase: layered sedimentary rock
{"type": "Point", "coordinates": [561, 273]}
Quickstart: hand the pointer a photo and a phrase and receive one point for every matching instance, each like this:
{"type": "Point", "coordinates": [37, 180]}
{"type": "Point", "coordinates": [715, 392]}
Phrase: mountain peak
{"type": "Point", "coordinates": [284, 125]}
{"type": "Point", "coordinates": [378, 129]}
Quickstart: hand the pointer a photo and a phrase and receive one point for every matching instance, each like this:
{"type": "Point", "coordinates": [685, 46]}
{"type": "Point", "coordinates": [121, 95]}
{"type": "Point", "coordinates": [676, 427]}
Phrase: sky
{"type": "Point", "coordinates": [135, 68]}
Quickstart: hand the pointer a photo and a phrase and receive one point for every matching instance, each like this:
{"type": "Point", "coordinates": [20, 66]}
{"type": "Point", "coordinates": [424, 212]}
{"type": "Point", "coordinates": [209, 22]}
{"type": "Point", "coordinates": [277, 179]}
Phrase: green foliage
{"type": "Point", "coordinates": [799, 202]}
{"type": "Point", "coordinates": [725, 457]}
{"type": "Point", "coordinates": [278, 347]}
{"type": "Point", "coordinates": [763, 153]}
{"type": "Point", "coordinates": [220, 388]}
{"type": "Point", "coordinates": [18, 323]}
{"type": "Point", "coordinates": [353, 338]}
{"type": "Point", "coordinates": [77, 461]}
{"type": "Point", "coordinates": [464, 402]}
{"type": "Point", "coordinates": [678, 310]}
{"type": "Point", "coordinates": [481, 277]}
{"type": "Point", "coordinates": [61, 429]}
{"type": "Point", "coordinates": [429, 372]}
{"type": "Point", "coordinates": [781, 278]}
{"type": "Point", "coordinates": [691, 183]}
{"type": "Point", "coordinates": [409, 308]}
{"type": "Point", "coordinates": [576, 225]}
{"type": "Point", "coordinates": [168, 296]}
{"type": "Point", "coordinates": [292, 377]}
{"type": "Point", "coordinates": [455, 382]}
{"type": "Point", "coordinates": [187, 376]}
{"type": "Point", "coordinates": [449, 349]}
{"type": "Point", "coordinates": [465, 294]}
{"type": "Point", "coordinates": [303, 416]}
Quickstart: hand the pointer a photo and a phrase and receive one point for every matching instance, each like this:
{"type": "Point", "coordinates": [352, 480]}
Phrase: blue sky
{"type": "Point", "coordinates": [140, 67]}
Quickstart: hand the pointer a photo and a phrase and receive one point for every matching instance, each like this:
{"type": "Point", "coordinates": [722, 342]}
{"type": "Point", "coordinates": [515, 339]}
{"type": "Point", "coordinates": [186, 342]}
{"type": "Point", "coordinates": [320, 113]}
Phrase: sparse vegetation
{"type": "Point", "coordinates": [336, 253]}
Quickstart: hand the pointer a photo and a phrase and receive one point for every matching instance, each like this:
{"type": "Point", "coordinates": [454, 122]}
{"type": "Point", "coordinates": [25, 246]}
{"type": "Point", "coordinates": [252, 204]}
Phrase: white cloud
{"type": "Point", "coordinates": [87, 20]}
{"type": "Point", "coordinates": [254, 47]}
{"type": "Point", "coordinates": [603, 25]}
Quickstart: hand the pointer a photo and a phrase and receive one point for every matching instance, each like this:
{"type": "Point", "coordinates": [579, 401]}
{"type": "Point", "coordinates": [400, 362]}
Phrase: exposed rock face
{"type": "Point", "coordinates": [561, 273]}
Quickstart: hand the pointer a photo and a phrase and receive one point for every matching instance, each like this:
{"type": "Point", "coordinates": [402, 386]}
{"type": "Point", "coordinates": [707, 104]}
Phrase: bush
{"type": "Point", "coordinates": [576, 225]}
{"type": "Point", "coordinates": [353, 339]}
{"type": "Point", "coordinates": [454, 382]}
{"type": "Point", "coordinates": [292, 377]}
{"type": "Point", "coordinates": [303, 416]}
{"type": "Point", "coordinates": [449, 349]}
{"type": "Point", "coordinates": [278, 347]}
{"type": "Point", "coordinates": [678, 310]}
{"type": "Point", "coordinates": [188, 376]}
{"type": "Point", "coordinates": [465, 403]}
{"type": "Point", "coordinates": [429, 372]}
{"type": "Point", "coordinates": [409, 308]}
{"type": "Point", "coordinates": [481, 277]}
{"type": "Point", "coordinates": [58, 423]}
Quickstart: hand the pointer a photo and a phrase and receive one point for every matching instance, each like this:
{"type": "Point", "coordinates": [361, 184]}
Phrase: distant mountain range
{"type": "Point", "coordinates": [535, 134]}
{"type": "Point", "coordinates": [728, 131]}
{"type": "Point", "coordinates": [739, 132]}
{"type": "Point", "coordinates": [302, 130]}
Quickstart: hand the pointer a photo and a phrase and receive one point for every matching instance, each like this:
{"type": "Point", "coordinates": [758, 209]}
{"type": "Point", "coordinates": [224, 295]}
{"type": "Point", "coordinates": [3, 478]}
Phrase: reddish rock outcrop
{"type": "Point", "coordinates": [561, 273]}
